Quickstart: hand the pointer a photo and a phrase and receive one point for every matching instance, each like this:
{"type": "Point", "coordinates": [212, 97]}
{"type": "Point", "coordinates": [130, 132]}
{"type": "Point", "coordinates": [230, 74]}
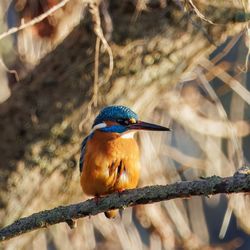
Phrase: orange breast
{"type": "Point", "coordinates": [111, 163]}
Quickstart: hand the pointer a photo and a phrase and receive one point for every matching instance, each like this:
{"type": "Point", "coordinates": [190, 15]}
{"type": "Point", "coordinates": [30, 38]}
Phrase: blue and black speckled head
{"type": "Point", "coordinates": [123, 119]}
{"type": "Point", "coordinates": [114, 113]}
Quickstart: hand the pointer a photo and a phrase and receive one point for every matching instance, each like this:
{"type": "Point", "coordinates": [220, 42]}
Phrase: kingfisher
{"type": "Point", "coordinates": [110, 157]}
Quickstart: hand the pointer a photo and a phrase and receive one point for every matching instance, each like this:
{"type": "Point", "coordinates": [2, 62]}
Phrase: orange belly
{"type": "Point", "coordinates": [111, 163]}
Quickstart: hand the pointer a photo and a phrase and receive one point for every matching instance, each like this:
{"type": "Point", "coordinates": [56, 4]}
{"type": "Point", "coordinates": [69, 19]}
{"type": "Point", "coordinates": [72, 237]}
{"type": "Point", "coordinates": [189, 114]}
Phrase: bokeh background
{"type": "Point", "coordinates": [184, 64]}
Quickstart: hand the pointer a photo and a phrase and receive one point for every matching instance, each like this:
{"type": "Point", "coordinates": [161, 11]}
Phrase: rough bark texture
{"type": "Point", "coordinates": [208, 186]}
{"type": "Point", "coordinates": [39, 123]}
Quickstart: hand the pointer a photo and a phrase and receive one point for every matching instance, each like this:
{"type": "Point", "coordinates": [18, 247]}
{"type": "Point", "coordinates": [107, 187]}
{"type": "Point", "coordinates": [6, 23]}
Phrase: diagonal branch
{"type": "Point", "coordinates": [34, 20]}
{"type": "Point", "coordinates": [239, 183]}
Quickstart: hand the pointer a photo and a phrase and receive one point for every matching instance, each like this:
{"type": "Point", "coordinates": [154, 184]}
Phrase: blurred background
{"type": "Point", "coordinates": [184, 64]}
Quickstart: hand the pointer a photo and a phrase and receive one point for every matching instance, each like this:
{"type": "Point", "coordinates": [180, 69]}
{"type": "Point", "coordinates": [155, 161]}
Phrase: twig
{"type": "Point", "coordinates": [180, 111]}
{"type": "Point", "coordinates": [223, 114]}
{"type": "Point", "coordinates": [96, 73]}
{"type": "Point", "coordinates": [94, 10]}
{"type": "Point", "coordinates": [229, 80]}
{"type": "Point", "coordinates": [96, 19]}
{"type": "Point", "coordinates": [34, 20]}
{"type": "Point", "coordinates": [240, 182]}
{"type": "Point", "coordinates": [220, 55]}
{"type": "Point", "coordinates": [11, 71]}
{"type": "Point", "coordinates": [245, 68]}
{"type": "Point", "coordinates": [198, 13]}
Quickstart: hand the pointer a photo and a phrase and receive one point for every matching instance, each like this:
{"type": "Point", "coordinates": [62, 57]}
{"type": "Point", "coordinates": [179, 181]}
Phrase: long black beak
{"type": "Point", "coordinates": [140, 125]}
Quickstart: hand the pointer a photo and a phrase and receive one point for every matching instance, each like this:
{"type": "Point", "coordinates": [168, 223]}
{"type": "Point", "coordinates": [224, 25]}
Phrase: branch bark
{"type": "Point", "coordinates": [238, 183]}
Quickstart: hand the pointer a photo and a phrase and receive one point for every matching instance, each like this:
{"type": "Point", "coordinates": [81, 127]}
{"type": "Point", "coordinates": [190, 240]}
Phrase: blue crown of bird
{"type": "Point", "coordinates": [110, 157]}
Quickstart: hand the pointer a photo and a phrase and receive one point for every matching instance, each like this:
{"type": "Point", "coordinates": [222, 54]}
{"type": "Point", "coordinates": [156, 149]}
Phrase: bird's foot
{"type": "Point", "coordinates": [245, 170]}
{"type": "Point", "coordinates": [71, 223]}
{"type": "Point", "coordinates": [97, 199]}
{"type": "Point", "coordinates": [120, 191]}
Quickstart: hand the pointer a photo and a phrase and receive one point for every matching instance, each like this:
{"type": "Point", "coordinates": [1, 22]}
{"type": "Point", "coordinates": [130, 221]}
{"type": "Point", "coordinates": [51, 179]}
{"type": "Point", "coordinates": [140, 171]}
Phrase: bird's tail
{"type": "Point", "coordinates": [111, 214]}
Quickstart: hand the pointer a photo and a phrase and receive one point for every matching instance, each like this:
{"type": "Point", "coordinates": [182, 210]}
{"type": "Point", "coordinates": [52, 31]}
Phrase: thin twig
{"type": "Point", "coordinates": [34, 20]}
{"type": "Point", "coordinates": [11, 71]}
{"type": "Point", "coordinates": [247, 34]}
{"type": "Point", "coordinates": [220, 55]}
{"type": "Point", "coordinates": [229, 80]}
{"type": "Point", "coordinates": [94, 10]}
{"type": "Point", "coordinates": [96, 73]}
{"type": "Point", "coordinates": [239, 183]}
{"type": "Point", "coordinates": [223, 114]}
{"type": "Point", "coordinates": [198, 13]}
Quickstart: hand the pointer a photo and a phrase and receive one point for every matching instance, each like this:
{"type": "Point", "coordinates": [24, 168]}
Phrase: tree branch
{"type": "Point", "coordinates": [240, 182]}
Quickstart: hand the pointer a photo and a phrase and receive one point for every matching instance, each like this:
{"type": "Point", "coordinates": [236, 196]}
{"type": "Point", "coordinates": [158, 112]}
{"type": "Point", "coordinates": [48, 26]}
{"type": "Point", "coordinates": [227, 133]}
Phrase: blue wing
{"type": "Point", "coordinates": [83, 149]}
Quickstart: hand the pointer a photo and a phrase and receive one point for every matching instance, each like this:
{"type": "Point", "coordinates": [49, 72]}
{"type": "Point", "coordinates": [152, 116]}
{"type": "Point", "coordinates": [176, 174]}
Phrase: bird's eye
{"type": "Point", "coordinates": [126, 121]}
{"type": "Point", "coordinates": [123, 121]}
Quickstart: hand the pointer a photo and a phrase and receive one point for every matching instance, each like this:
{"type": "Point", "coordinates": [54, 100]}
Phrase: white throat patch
{"type": "Point", "coordinates": [128, 135]}
{"type": "Point", "coordinates": [97, 126]}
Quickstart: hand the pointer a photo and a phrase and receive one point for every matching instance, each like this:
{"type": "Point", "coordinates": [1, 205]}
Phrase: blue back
{"type": "Point", "coordinates": [82, 154]}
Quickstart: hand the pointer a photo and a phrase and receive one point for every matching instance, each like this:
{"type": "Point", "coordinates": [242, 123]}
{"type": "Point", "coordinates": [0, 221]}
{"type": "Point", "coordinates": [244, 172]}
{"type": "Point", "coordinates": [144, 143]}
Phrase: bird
{"type": "Point", "coordinates": [110, 158]}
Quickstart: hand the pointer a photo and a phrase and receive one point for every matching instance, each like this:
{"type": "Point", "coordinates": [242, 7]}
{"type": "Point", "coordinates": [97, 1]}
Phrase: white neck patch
{"type": "Point", "coordinates": [98, 126]}
{"type": "Point", "coordinates": [128, 135]}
